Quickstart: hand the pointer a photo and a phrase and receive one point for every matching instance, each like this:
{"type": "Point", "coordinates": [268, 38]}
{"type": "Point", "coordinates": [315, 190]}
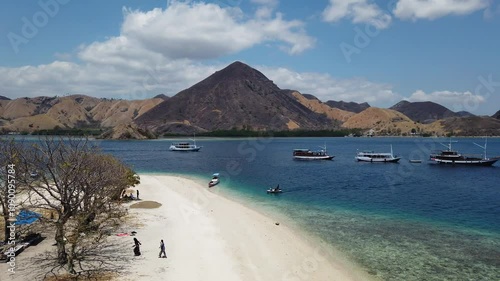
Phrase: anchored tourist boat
{"type": "Point", "coordinates": [185, 146]}
{"type": "Point", "coordinates": [379, 157]}
{"type": "Point", "coordinates": [450, 156]}
{"type": "Point", "coordinates": [306, 154]}
{"type": "Point", "coordinates": [215, 180]}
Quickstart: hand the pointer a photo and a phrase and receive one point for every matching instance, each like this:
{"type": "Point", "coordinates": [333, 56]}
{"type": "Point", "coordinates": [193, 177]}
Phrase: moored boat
{"type": "Point", "coordinates": [453, 157]}
{"type": "Point", "coordinates": [214, 181]}
{"type": "Point", "coordinates": [306, 154]}
{"type": "Point", "coordinates": [185, 146]}
{"type": "Point", "coordinates": [377, 157]}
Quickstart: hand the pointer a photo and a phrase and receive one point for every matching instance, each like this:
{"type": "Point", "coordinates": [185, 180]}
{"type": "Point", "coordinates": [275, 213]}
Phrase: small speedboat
{"type": "Point", "coordinates": [214, 181]}
{"type": "Point", "coordinates": [275, 190]}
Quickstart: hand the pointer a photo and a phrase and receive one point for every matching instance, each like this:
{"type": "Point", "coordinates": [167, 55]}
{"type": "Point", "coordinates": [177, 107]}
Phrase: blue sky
{"type": "Point", "coordinates": [353, 50]}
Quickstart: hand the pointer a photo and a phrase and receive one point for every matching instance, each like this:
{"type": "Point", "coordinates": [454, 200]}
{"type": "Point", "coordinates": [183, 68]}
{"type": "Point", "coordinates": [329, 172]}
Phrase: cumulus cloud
{"type": "Point", "coordinates": [359, 11]}
{"type": "Point", "coordinates": [111, 81]}
{"type": "Point", "coordinates": [433, 9]}
{"type": "Point", "coordinates": [203, 30]}
{"type": "Point", "coordinates": [157, 51]}
{"type": "Point", "coordinates": [325, 87]}
{"type": "Point", "coordinates": [456, 101]}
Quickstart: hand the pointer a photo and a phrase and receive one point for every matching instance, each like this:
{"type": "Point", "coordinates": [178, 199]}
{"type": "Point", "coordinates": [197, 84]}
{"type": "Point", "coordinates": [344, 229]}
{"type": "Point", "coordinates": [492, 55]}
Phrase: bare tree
{"type": "Point", "coordinates": [78, 183]}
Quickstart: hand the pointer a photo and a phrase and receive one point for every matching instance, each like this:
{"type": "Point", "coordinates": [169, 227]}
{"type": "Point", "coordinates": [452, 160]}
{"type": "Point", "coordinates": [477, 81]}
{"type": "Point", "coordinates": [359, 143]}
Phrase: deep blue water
{"type": "Point", "coordinates": [402, 221]}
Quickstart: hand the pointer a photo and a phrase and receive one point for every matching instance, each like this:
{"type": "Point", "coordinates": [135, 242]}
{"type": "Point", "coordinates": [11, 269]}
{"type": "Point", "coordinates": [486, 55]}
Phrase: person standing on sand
{"type": "Point", "coordinates": [137, 250]}
{"type": "Point", "coordinates": [137, 194]}
{"type": "Point", "coordinates": [162, 249]}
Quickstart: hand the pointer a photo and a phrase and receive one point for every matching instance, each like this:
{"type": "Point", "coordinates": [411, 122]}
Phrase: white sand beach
{"type": "Point", "coordinates": [209, 237]}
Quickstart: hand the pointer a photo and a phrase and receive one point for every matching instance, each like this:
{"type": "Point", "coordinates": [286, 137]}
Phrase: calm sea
{"type": "Point", "coordinates": [402, 221]}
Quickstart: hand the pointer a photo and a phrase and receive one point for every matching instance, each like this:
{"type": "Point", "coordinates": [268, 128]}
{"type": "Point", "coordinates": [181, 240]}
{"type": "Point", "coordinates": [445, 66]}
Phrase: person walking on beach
{"type": "Point", "coordinates": [137, 250]}
{"type": "Point", "coordinates": [162, 249]}
{"type": "Point", "coordinates": [137, 194]}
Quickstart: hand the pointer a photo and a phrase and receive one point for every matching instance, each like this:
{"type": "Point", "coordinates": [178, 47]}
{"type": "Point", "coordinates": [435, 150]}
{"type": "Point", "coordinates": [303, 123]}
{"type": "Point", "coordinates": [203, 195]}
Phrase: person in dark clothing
{"type": "Point", "coordinates": [137, 194]}
{"type": "Point", "coordinates": [137, 250]}
{"type": "Point", "coordinates": [162, 249]}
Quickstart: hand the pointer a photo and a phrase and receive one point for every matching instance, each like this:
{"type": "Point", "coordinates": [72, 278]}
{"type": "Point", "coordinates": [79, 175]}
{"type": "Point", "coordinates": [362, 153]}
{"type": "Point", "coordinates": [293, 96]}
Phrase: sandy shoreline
{"type": "Point", "coordinates": [209, 237]}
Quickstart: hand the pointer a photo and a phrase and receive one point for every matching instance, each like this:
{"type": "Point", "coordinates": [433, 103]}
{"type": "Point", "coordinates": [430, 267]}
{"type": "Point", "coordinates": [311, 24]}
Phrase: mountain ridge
{"type": "Point", "coordinates": [348, 106]}
{"type": "Point", "coordinates": [237, 97]}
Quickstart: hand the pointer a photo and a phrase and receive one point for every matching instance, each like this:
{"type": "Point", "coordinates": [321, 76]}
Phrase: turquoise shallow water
{"type": "Point", "coordinates": [398, 221]}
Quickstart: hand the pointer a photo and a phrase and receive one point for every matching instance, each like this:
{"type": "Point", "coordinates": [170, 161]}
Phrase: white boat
{"type": "Point", "coordinates": [377, 157]}
{"type": "Point", "coordinates": [306, 154]}
{"type": "Point", "coordinates": [215, 180]}
{"type": "Point", "coordinates": [185, 146]}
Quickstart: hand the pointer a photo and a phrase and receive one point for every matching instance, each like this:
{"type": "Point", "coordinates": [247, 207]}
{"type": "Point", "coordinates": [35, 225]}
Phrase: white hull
{"type": "Point", "coordinates": [213, 182]}
{"type": "Point", "coordinates": [173, 148]}
{"type": "Point", "coordinates": [313, 157]}
{"type": "Point", "coordinates": [482, 162]}
{"type": "Point", "coordinates": [377, 160]}
{"type": "Point", "coordinates": [185, 149]}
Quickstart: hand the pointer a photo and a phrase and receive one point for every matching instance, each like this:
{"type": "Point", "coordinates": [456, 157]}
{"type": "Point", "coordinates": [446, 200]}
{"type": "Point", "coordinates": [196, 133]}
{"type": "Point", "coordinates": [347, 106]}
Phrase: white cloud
{"type": "Point", "coordinates": [455, 101]}
{"type": "Point", "coordinates": [359, 11]}
{"type": "Point", "coordinates": [111, 81]}
{"type": "Point", "coordinates": [432, 9]}
{"type": "Point", "coordinates": [156, 52]}
{"type": "Point", "coordinates": [325, 87]}
{"type": "Point", "coordinates": [201, 30]}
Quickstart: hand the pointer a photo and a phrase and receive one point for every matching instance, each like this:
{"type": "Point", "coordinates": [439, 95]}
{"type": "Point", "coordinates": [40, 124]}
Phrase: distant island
{"type": "Point", "coordinates": [235, 101]}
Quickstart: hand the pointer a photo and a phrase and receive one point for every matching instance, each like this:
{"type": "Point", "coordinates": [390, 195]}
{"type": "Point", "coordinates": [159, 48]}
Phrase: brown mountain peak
{"type": "Point", "coordinates": [237, 96]}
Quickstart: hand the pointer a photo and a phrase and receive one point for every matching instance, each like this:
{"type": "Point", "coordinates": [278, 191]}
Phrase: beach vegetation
{"type": "Point", "coordinates": [78, 184]}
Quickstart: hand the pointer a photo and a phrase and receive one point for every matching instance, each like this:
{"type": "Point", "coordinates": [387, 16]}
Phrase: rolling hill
{"type": "Point", "coordinates": [75, 111]}
{"type": "Point", "coordinates": [389, 122]}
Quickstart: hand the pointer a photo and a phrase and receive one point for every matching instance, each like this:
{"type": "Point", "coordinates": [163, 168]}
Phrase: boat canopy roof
{"type": "Point", "coordinates": [449, 152]}
{"type": "Point", "coordinates": [301, 149]}
{"type": "Point", "coordinates": [215, 174]}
